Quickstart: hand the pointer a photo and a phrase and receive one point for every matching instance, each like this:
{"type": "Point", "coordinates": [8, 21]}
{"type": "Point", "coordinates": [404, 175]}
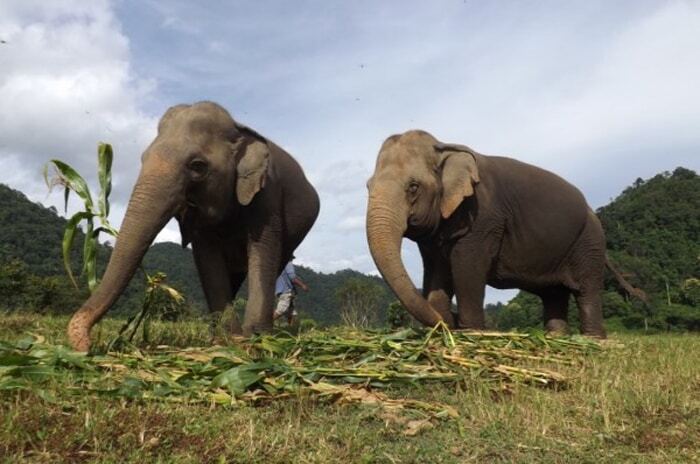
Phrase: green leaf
{"type": "Point", "coordinates": [48, 397]}
{"type": "Point", "coordinates": [68, 236]}
{"type": "Point", "coordinates": [13, 383]}
{"type": "Point", "coordinates": [400, 335]}
{"type": "Point", "coordinates": [131, 387]}
{"type": "Point", "coordinates": [25, 343]}
{"type": "Point", "coordinates": [65, 357]}
{"type": "Point", "coordinates": [239, 378]}
{"type": "Point", "coordinates": [104, 169]}
{"type": "Point", "coordinates": [90, 256]}
{"type": "Point", "coordinates": [106, 229]}
{"type": "Point", "coordinates": [13, 358]}
{"type": "Point", "coordinates": [276, 345]}
{"type": "Point", "coordinates": [73, 181]}
{"type": "Point", "coordinates": [35, 373]}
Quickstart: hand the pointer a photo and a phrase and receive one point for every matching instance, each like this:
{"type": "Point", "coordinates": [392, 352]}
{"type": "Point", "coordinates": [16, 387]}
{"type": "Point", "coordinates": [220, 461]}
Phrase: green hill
{"type": "Point", "coordinates": [31, 233]}
{"type": "Point", "coordinates": [653, 231]}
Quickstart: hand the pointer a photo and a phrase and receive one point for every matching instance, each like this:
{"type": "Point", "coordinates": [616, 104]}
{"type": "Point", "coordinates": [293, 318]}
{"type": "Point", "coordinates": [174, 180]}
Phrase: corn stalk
{"type": "Point", "coordinates": [92, 214]}
{"type": "Point", "coordinates": [71, 181]}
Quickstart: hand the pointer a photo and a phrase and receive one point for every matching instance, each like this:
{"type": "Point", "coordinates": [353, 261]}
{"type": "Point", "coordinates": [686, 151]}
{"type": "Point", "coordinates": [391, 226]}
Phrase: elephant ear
{"type": "Point", "coordinates": [460, 174]}
{"type": "Point", "coordinates": [252, 170]}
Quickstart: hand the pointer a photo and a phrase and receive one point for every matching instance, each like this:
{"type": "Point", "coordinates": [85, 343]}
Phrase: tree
{"type": "Point", "coordinates": [22, 290]}
{"type": "Point", "coordinates": [522, 312]}
{"type": "Point", "coordinates": [359, 301]}
{"type": "Point", "coordinates": [397, 316]}
{"type": "Point", "coordinates": [13, 282]}
{"type": "Point", "coordinates": [690, 292]}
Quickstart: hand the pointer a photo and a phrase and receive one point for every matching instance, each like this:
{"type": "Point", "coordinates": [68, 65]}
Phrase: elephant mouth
{"type": "Point", "coordinates": [417, 233]}
{"type": "Point", "coordinates": [416, 230]}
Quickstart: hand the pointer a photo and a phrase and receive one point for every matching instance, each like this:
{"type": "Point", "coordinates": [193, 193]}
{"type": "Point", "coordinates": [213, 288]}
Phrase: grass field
{"type": "Point", "coordinates": [638, 400]}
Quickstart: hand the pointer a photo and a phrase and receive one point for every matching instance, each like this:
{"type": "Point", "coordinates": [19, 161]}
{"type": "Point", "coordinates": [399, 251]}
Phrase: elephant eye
{"type": "Point", "coordinates": [413, 187]}
{"type": "Point", "coordinates": [198, 167]}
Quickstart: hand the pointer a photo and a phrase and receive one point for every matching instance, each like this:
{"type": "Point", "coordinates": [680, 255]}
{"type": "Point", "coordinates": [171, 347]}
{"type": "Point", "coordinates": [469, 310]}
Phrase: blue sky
{"type": "Point", "coordinates": [599, 92]}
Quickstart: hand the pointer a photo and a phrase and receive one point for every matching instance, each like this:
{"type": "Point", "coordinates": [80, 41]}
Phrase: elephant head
{"type": "Point", "coordinates": [418, 182]}
{"type": "Point", "coordinates": [201, 168]}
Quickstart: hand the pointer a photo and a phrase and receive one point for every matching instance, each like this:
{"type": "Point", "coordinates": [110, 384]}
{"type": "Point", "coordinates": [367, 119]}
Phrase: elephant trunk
{"type": "Point", "coordinates": [153, 203]}
{"type": "Point", "coordinates": [385, 229]}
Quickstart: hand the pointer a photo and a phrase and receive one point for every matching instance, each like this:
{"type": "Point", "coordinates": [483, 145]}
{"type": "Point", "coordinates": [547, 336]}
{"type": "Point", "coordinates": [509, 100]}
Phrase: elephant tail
{"type": "Point", "coordinates": [626, 288]}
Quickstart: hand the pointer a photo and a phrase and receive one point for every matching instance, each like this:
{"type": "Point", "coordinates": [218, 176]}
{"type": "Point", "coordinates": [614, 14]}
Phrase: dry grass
{"type": "Point", "coordinates": [634, 403]}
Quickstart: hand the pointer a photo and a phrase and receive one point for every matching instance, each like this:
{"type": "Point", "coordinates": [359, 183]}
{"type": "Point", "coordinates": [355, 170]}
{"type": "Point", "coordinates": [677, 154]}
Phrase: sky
{"type": "Point", "coordinates": [599, 92]}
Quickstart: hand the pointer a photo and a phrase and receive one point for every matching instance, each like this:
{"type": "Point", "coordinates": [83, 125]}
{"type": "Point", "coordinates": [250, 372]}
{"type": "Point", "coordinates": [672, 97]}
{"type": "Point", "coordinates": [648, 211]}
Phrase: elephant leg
{"type": "Point", "coordinates": [590, 312]}
{"type": "Point", "coordinates": [237, 279]}
{"type": "Point", "coordinates": [469, 266]}
{"type": "Point", "coordinates": [437, 283]}
{"type": "Point", "coordinates": [588, 268]}
{"type": "Point", "coordinates": [556, 307]}
{"type": "Point", "coordinates": [264, 266]}
{"type": "Point", "coordinates": [213, 273]}
{"type": "Point", "coordinates": [237, 263]}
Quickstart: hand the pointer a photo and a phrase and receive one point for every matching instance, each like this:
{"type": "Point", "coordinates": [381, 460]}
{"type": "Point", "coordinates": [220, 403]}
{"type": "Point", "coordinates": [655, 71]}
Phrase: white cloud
{"type": "Point", "coordinates": [352, 223]}
{"type": "Point", "coordinates": [643, 87]}
{"type": "Point", "coordinates": [67, 84]}
{"type": "Point", "coordinates": [351, 262]}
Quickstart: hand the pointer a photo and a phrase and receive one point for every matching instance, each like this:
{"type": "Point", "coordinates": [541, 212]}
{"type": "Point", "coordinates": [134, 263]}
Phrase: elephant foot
{"type": "Point", "coordinates": [451, 321]}
{"type": "Point", "coordinates": [250, 329]}
{"type": "Point", "coordinates": [557, 327]}
{"type": "Point", "coordinates": [471, 323]}
{"type": "Point", "coordinates": [598, 333]}
{"type": "Point", "coordinates": [593, 329]}
{"type": "Point", "coordinates": [227, 340]}
{"type": "Point", "coordinates": [78, 335]}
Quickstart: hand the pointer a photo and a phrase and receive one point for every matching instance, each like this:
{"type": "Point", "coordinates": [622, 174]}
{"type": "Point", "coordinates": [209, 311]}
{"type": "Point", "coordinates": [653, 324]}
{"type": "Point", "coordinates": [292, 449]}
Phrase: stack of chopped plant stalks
{"type": "Point", "coordinates": [340, 364]}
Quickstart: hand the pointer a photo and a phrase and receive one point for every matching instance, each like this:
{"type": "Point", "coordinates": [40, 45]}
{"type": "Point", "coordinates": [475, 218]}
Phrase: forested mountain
{"type": "Point", "coordinates": [653, 231]}
{"type": "Point", "coordinates": [30, 232]}
{"type": "Point", "coordinates": [320, 303]}
{"type": "Point", "coordinates": [652, 228]}
{"type": "Point", "coordinates": [31, 268]}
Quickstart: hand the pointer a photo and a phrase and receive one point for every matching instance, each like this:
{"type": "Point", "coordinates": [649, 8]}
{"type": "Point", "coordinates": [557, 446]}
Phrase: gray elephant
{"type": "Point", "coordinates": [242, 201]}
{"type": "Point", "coordinates": [482, 220]}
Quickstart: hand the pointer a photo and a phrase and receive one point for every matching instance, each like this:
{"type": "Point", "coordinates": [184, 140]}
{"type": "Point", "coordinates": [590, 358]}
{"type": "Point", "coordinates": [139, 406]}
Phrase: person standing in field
{"type": "Point", "coordinates": [285, 289]}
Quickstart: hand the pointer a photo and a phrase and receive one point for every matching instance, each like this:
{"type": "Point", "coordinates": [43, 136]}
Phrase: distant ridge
{"type": "Point", "coordinates": [33, 233]}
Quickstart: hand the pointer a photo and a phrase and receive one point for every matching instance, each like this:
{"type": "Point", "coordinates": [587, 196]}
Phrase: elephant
{"type": "Point", "coordinates": [483, 220]}
{"type": "Point", "coordinates": [241, 201]}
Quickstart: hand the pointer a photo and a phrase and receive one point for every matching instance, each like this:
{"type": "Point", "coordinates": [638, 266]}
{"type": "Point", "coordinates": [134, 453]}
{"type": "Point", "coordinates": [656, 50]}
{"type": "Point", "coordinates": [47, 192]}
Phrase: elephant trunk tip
{"type": "Point", "coordinates": [79, 333]}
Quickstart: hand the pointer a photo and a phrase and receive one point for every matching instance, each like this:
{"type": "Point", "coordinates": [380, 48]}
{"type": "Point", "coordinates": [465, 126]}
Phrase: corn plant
{"type": "Point", "coordinates": [97, 214]}
{"type": "Point", "coordinates": [71, 181]}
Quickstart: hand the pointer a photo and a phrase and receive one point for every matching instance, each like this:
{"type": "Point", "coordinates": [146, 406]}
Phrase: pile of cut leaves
{"type": "Point", "coordinates": [339, 364]}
